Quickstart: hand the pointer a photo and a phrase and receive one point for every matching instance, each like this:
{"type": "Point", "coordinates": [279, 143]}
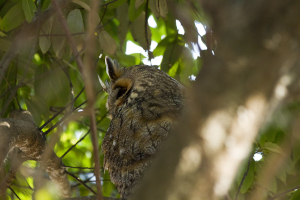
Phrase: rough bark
{"type": "Point", "coordinates": [21, 140]}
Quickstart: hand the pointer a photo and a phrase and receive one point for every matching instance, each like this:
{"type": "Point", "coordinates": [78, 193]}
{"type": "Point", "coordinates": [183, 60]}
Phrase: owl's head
{"type": "Point", "coordinates": [118, 88]}
{"type": "Point", "coordinates": [144, 86]}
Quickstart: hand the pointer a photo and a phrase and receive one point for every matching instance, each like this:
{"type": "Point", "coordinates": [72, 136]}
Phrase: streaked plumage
{"type": "Point", "coordinates": [143, 103]}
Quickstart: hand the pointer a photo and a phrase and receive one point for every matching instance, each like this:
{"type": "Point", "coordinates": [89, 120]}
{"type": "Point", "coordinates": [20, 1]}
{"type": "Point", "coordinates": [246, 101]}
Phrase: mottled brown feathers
{"type": "Point", "coordinates": [143, 103]}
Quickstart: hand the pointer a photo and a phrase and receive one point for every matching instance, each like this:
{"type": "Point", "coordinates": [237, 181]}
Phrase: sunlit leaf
{"type": "Point", "coordinates": [163, 44]}
{"type": "Point", "coordinates": [13, 18]}
{"type": "Point", "coordinates": [296, 195]}
{"type": "Point", "coordinates": [29, 9]}
{"type": "Point", "coordinates": [115, 3]}
{"type": "Point", "coordinates": [171, 55]}
{"type": "Point", "coordinates": [107, 43]}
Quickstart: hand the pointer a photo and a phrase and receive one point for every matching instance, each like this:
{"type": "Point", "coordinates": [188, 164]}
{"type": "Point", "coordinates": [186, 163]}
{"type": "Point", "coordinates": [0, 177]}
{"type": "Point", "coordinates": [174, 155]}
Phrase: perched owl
{"type": "Point", "coordinates": [143, 103]}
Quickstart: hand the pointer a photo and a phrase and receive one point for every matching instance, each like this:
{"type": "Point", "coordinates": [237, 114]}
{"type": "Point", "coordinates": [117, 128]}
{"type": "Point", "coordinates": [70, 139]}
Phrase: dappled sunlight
{"type": "Point", "coordinates": [257, 156]}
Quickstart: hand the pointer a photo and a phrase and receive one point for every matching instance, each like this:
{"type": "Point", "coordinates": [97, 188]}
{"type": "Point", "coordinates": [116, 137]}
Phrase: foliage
{"type": "Point", "coordinates": [44, 78]}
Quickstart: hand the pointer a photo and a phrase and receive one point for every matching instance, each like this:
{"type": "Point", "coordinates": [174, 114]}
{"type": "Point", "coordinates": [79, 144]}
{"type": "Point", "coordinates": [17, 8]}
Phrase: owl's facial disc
{"type": "Point", "coordinates": [122, 88]}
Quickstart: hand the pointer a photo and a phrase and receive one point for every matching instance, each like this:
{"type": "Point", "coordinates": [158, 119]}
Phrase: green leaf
{"type": "Point", "coordinates": [138, 3]}
{"type": "Point", "coordinates": [46, 4]}
{"type": "Point", "coordinates": [5, 88]}
{"type": "Point", "coordinates": [122, 16]}
{"type": "Point", "coordinates": [75, 24]}
{"type": "Point", "coordinates": [271, 134]}
{"type": "Point", "coordinates": [138, 31]}
{"type": "Point", "coordinates": [134, 13]}
{"type": "Point", "coordinates": [2, 34]}
{"type": "Point", "coordinates": [171, 55]}
{"type": "Point", "coordinates": [281, 175]}
{"type": "Point", "coordinates": [45, 41]}
{"type": "Point", "coordinates": [13, 18]}
{"type": "Point", "coordinates": [296, 195]}
{"type": "Point", "coordinates": [162, 8]}
{"type": "Point", "coordinates": [163, 44]}
{"type": "Point", "coordinates": [29, 9]}
{"type": "Point", "coordinates": [152, 6]}
{"type": "Point", "coordinates": [52, 86]}
{"type": "Point", "coordinates": [296, 151]}
{"type": "Point", "coordinates": [58, 37]}
{"type": "Point", "coordinates": [248, 179]}
{"type": "Point", "coordinates": [126, 60]}
{"type": "Point", "coordinates": [272, 185]}
{"type": "Point", "coordinates": [4, 44]}
{"type": "Point", "coordinates": [115, 4]}
{"type": "Point", "coordinates": [107, 43]}
{"type": "Point", "coordinates": [289, 166]}
{"type": "Point", "coordinates": [188, 63]}
{"type": "Point", "coordinates": [272, 147]}
{"type": "Point", "coordinates": [82, 4]}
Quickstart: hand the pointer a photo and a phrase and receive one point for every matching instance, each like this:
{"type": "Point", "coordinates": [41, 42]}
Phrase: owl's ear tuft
{"type": "Point", "coordinates": [113, 69]}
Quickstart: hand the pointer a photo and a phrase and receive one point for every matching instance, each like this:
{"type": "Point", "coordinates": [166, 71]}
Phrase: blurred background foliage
{"type": "Point", "coordinates": [43, 78]}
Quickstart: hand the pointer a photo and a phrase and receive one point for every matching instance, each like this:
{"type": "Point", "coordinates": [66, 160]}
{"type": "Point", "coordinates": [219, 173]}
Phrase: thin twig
{"type": "Point", "coordinates": [12, 93]}
{"type": "Point", "coordinates": [65, 70]}
{"type": "Point", "coordinates": [48, 121]}
{"type": "Point", "coordinates": [71, 40]}
{"type": "Point", "coordinates": [87, 180]}
{"type": "Point", "coordinates": [79, 167]}
{"type": "Point", "coordinates": [105, 8]}
{"type": "Point", "coordinates": [14, 192]}
{"type": "Point", "coordinates": [80, 181]}
{"type": "Point", "coordinates": [81, 138]}
{"type": "Point", "coordinates": [146, 26]}
{"type": "Point", "coordinates": [75, 144]}
{"type": "Point", "coordinates": [106, 4]}
{"type": "Point", "coordinates": [284, 193]}
{"type": "Point", "coordinates": [245, 174]}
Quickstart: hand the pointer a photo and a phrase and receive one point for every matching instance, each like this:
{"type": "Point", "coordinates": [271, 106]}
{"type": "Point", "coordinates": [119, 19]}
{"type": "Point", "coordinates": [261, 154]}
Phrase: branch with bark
{"type": "Point", "coordinates": [20, 140]}
{"type": "Point", "coordinates": [230, 100]}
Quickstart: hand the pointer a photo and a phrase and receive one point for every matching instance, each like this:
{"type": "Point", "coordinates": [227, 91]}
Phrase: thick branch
{"type": "Point", "coordinates": [229, 101]}
{"type": "Point", "coordinates": [19, 132]}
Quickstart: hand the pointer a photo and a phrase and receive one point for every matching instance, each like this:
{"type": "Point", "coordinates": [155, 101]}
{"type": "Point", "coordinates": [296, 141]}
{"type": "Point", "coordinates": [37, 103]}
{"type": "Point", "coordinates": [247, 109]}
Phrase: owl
{"type": "Point", "coordinates": [143, 104]}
